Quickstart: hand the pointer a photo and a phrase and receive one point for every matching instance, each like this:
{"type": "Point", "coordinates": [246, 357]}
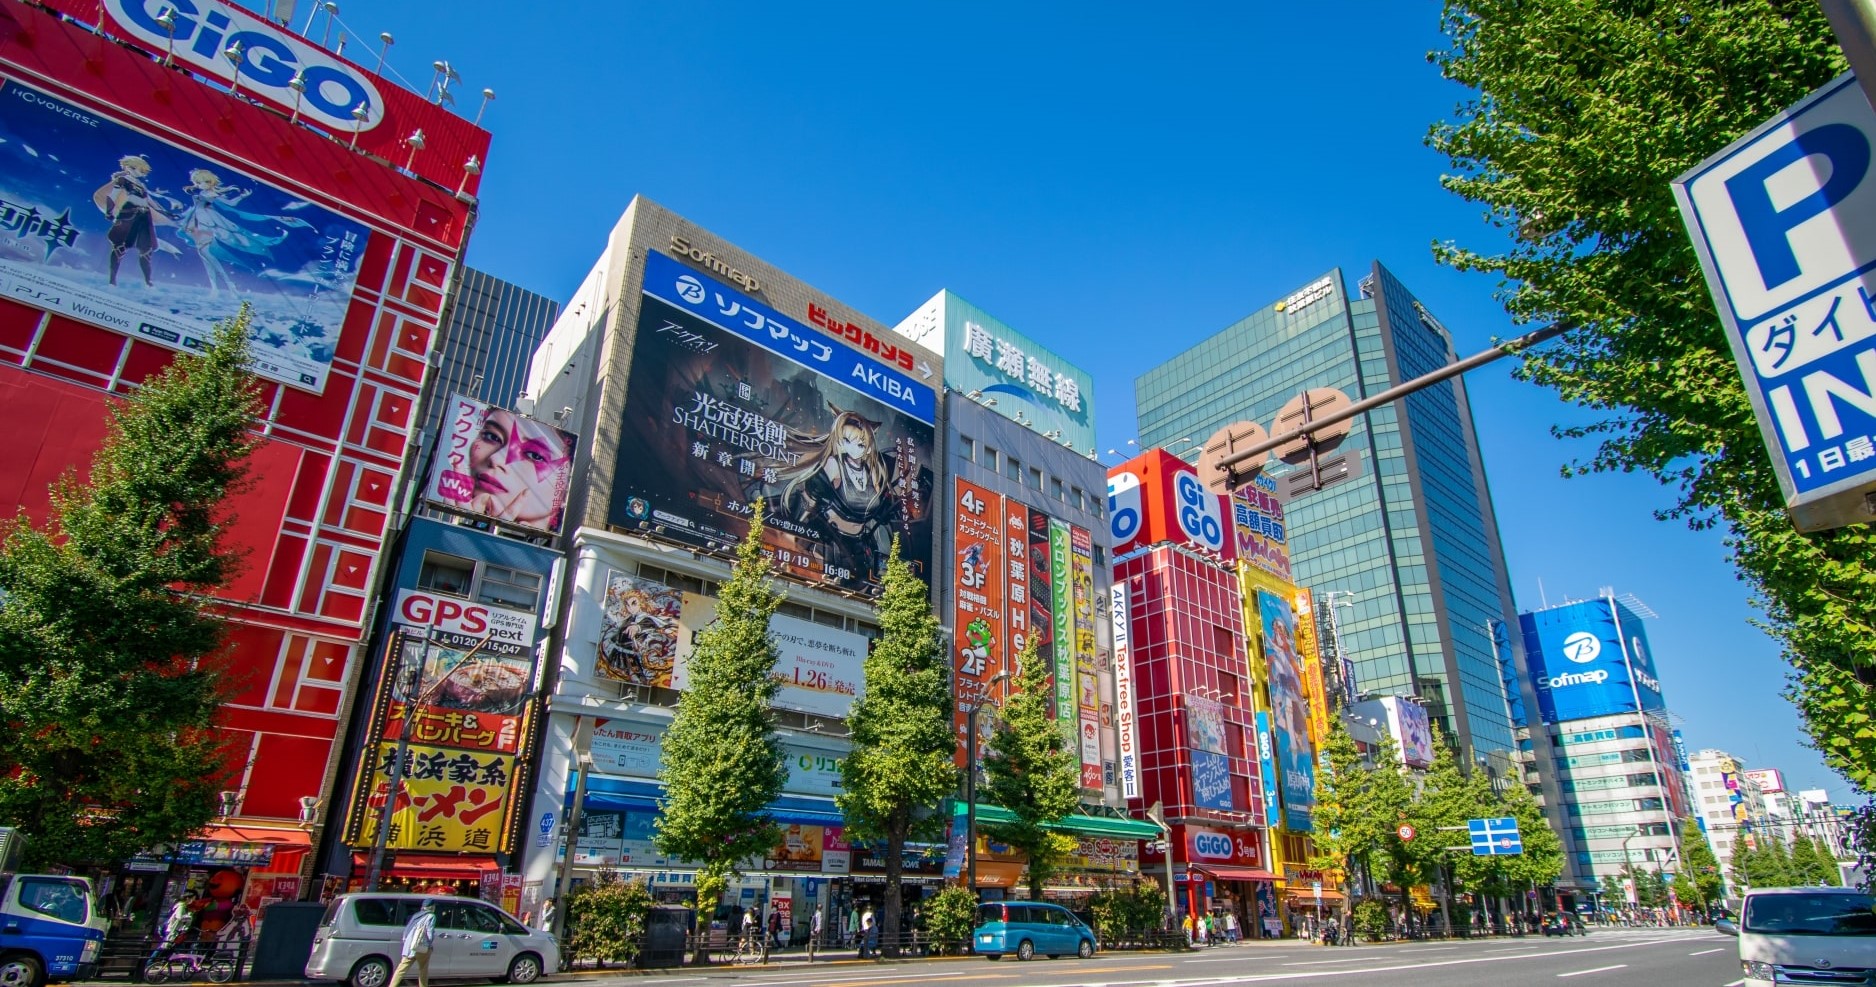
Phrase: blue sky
{"type": "Point", "coordinates": [1117, 185]}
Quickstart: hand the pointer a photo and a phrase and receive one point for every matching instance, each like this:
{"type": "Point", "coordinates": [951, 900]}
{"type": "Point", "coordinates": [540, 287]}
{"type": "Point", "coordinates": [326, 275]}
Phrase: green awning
{"type": "Point", "coordinates": [1102, 826]}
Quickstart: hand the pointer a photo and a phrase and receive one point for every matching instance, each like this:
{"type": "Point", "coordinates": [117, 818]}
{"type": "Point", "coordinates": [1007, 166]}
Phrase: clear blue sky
{"type": "Point", "coordinates": [1117, 184]}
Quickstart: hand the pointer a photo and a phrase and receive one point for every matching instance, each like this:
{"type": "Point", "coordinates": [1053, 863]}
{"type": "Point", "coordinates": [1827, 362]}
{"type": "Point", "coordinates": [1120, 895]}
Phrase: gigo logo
{"type": "Point", "coordinates": [1198, 512]}
{"type": "Point", "coordinates": [1123, 507]}
{"type": "Point", "coordinates": [1211, 846]}
{"type": "Point", "coordinates": [271, 59]}
{"type": "Point", "coordinates": [1596, 677]}
{"type": "Point", "coordinates": [1582, 647]}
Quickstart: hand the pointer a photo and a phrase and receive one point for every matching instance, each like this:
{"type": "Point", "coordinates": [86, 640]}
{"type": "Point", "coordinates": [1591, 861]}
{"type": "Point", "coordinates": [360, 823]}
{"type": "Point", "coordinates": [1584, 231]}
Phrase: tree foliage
{"type": "Point", "coordinates": [903, 757]}
{"type": "Point", "coordinates": [1584, 115]}
{"type": "Point", "coordinates": [722, 764]}
{"type": "Point", "coordinates": [950, 915]}
{"type": "Point", "coordinates": [109, 667]}
{"type": "Point", "coordinates": [1700, 867]}
{"type": "Point", "coordinates": [606, 920]}
{"type": "Point", "coordinates": [1031, 771]}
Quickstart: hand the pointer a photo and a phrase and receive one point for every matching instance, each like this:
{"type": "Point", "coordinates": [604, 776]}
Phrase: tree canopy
{"type": "Point", "coordinates": [110, 663]}
{"type": "Point", "coordinates": [1031, 771]}
{"type": "Point", "coordinates": [1582, 116]}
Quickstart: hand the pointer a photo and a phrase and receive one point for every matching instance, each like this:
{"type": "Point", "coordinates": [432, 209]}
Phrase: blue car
{"type": "Point", "coordinates": [1026, 928]}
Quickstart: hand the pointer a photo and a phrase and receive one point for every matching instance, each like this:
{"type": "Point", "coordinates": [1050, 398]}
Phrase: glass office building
{"type": "Point", "coordinates": [1396, 519]}
{"type": "Point", "coordinates": [494, 327]}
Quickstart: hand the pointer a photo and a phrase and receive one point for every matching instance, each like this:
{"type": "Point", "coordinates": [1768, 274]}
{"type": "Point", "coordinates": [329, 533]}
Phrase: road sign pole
{"type": "Point", "coordinates": [1854, 24]}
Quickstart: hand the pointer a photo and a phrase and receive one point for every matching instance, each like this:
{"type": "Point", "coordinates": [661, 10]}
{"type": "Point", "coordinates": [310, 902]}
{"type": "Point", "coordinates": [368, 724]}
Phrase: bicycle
{"type": "Point", "coordinates": [185, 963]}
{"type": "Point", "coordinates": [748, 952]}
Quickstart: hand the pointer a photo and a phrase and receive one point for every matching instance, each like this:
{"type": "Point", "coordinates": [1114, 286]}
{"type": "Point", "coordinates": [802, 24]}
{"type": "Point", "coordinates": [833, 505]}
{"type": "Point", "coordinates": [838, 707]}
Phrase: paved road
{"type": "Point", "coordinates": [1655, 958]}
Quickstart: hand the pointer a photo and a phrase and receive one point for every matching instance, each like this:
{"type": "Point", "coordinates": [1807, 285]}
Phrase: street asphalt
{"type": "Point", "coordinates": [1654, 957]}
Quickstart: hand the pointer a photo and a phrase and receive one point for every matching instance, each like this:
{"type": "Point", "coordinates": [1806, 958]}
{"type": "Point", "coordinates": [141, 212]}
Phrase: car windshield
{"type": "Point", "coordinates": [1819, 914]}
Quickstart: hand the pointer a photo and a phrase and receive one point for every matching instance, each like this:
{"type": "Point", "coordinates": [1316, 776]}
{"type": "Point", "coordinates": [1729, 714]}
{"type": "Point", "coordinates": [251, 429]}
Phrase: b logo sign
{"type": "Point", "coordinates": [1582, 647]}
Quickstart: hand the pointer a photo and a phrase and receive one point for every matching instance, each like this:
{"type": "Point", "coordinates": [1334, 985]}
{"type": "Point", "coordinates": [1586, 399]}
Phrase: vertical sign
{"type": "Point", "coordinates": [1041, 586]}
{"type": "Point", "coordinates": [1087, 687]}
{"type": "Point", "coordinates": [1267, 765]}
{"type": "Point", "coordinates": [1119, 613]}
{"type": "Point", "coordinates": [978, 598]}
{"type": "Point", "coordinates": [1016, 542]}
{"type": "Point", "coordinates": [1061, 567]}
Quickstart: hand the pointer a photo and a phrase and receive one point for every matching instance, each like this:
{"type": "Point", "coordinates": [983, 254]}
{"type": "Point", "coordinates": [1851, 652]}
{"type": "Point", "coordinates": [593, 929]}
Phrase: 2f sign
{"type": "Point", "coordinates": [1785, 224]}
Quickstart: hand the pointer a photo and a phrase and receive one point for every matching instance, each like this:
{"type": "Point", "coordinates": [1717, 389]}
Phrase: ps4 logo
{"type": "Point", "coordinates": [271, 62]}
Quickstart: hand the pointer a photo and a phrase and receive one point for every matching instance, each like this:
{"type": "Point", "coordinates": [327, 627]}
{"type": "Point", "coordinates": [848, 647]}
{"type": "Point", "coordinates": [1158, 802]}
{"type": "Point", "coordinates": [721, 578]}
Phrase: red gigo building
{"type": "Point", "coordinates": [159, 164]}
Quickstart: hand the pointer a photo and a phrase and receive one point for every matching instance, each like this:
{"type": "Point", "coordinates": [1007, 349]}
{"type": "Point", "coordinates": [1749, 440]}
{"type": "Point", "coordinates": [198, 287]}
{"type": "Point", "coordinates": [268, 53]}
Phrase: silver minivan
{"type": "Point", "coordinates": [1824, 936]}
{"type": "Point", "coordinates": [361, 934]}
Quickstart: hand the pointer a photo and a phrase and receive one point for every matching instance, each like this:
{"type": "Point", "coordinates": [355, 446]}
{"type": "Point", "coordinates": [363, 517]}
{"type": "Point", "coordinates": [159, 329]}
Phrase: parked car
{"type": "Point", "coordinates": [1805, 936]}
{"type": "Point", "coordinates": [361, 933]}
{"type": "Point", "coordinates": [1026, 928]}
{"type": "Point", "coordinates": [1564, 924]}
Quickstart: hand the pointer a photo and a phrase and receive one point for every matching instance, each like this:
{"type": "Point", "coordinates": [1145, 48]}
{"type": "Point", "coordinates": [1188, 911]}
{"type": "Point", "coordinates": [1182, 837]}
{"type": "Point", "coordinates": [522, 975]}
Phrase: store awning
{"type": "Point", "coordinates": [264, 849]}
{"type": "Point", "coordinates": [1306, 895]}
{"type": "Point", "coordinates": [434, 866]}
{"type": "Point", "coordinates": [628, 795]}
{"type": "Point", "coordinates": [1080, 825]}
{"type": "Point", "coordinates": [1222, 872]}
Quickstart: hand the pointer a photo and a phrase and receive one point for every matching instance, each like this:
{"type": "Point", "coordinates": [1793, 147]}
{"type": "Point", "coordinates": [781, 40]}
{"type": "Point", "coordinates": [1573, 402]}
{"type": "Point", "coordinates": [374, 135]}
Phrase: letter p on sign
{"type": "Point", "coordinates": [1784, 220]}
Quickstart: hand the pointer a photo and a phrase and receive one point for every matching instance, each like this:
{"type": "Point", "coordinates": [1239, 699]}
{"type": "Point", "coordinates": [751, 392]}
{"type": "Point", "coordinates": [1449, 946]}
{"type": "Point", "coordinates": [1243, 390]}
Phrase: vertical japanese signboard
{"type": "Point", "coordinates": [1061, 574]}
{"type": "Point", "coordinates": [1124, 713]}
{"type": "Point", "coordinates": [1087, 686]}
{"type": "Point", "coordinates": [977, 592]}
{"type": "Point", "coordinates": [1041, 585]}
{"type": "Point", "coordinates": [1022, 586]}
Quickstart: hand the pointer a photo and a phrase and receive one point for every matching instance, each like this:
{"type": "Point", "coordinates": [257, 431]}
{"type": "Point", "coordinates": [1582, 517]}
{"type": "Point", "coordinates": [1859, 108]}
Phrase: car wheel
{"type": "Point", "coordinates": [1086, 951]}
{"type": "Point", "coordinates": [372, 971]}
{"type": "Point", "coordinates": [1026, 950]}
{"type": "Point", "coordinates": [21, 971]}
{"type": "Point", "coordinates": [526, 969]}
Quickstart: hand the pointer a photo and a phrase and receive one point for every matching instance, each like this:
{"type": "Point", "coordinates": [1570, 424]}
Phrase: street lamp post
{"type": "Point", "coordinates": [970, 778]}
{"type": "Point", "coordinates": [414, 700]}
{"type": "Point", "coordinates": [1157, 813]}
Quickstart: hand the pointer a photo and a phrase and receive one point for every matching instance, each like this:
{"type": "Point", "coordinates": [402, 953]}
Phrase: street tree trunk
{"type": "Point", "coordinates": [895, 897]}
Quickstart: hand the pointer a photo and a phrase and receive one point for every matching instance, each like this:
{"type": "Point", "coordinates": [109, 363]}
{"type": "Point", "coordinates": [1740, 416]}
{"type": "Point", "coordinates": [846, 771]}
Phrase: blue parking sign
{"type": "Point", "coordinates": [1784, 221]}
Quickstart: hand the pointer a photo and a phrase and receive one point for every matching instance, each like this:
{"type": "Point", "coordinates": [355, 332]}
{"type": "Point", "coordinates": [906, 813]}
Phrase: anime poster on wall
{"type": "Point", "coordinates": [638, 636]}
{"type": "Point", "coordinates": [105, 224]}
{"type": "Point", "coordinates": [1296, 760]}
{"type": "Point", "coordinates": [729, 402]}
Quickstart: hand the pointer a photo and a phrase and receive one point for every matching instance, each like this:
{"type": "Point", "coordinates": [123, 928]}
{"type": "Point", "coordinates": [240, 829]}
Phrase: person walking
{"type": "Point", "coordinates": [547, 916]}
{"type": "Point", "coordinates": [853, 928]}
{"type": "Point", "coordinates": [419, 937]}
{"type": "Point", "coordinates": [869, 933]}
{"type": "Point", "coordinates": [814, 933]}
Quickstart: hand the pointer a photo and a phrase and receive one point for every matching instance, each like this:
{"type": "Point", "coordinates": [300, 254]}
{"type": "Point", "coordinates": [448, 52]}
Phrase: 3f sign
{"type": "Point", "coordinates": [1784, 221]}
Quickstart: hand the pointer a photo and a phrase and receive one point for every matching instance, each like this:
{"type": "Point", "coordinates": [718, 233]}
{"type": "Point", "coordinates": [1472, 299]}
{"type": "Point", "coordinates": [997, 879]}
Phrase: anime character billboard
{"type": "Point", "coordinates": [501, 465]}
{"type": "Point", "coordinates": [108, 225]}
{"type": "Point", "coordinates": [638, 642]}
{"type": "Point", "coordinates": [1296, 760]}
{"type": "Point", "coordinates": [729, 402]}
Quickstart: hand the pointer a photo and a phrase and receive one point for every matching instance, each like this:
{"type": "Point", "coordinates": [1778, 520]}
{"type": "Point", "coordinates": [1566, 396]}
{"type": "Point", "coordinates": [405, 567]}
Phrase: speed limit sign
{"type": "Point", "coordinates": [1406, 832]}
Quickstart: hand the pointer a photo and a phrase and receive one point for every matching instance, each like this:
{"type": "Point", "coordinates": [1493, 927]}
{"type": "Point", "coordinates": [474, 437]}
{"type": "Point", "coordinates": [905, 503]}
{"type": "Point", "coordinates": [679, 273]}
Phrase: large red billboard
{"type": "Point", "coordinates": [228, 199]}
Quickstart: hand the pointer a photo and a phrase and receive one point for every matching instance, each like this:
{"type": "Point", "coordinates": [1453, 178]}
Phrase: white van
{"type": "Point", "coordinates": [1813, 936]}
{"type": "Point", "coordinates": [361, 934]}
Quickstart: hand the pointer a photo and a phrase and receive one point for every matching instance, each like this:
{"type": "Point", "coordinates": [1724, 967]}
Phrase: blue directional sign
{"type": "Point", "coordinates": [1492, 837]}
{"type": "Point", "coordinates": [1784, 221]}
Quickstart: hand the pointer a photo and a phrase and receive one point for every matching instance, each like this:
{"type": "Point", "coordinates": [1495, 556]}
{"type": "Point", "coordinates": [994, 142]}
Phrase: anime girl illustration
{"type": "Point", "coordinates": [852, 493]}
{"type": "Point", "coordinates": [224, 234]}
{"type": "Point", "coordinates": [134, 210]}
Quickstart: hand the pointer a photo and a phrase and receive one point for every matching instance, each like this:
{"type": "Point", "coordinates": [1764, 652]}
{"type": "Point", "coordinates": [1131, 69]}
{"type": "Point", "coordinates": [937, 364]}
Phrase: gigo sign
{"type": "Point", "coordinates": [273, 63]}
{"type": "Point", "coordinates": [508, 629]}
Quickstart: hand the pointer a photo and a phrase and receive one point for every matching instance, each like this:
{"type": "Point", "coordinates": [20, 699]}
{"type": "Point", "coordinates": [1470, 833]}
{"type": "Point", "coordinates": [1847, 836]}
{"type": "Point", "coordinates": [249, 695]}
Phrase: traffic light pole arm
{"type": "Point", "coordinates": [1393, 394]}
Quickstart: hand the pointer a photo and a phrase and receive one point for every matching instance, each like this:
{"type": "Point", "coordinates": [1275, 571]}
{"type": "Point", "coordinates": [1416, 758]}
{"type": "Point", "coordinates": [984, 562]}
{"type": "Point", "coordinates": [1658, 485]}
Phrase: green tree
{"type": "Point", "coordinates": [606, 920]}
{"type": "Point", "coordinates": [1700, 867]}
{"type": "Point", "coordinates": [1614, 895]}
{"type": "Point", "coordinates": [902, 762]}
{"type": "Point", "coordinates": [1584, 115]}
{"type": "Point", "coordinates": [950, 915]}
{"type": "Point", "coordinates": [1448, 797]}
{"type": "Point", "coordinates": [1359, 811]}
{"type": "Point", "coordinates": [1031, 772]}
{"type": "Point", "coordinates": [1777, 865]}
{"type": "Point", "coordinates": [1806, 869]}
{"type": "Point", "coordinates": [1827, 863]}
{"type": "Point", "coordinates": [110, 663]}
{"type": "Point", "coordinates": [1542, 859]}
{"type": "Point", "coordinates": [1741, 867]}
{"type": "Point", "coordinates": [722, 764]}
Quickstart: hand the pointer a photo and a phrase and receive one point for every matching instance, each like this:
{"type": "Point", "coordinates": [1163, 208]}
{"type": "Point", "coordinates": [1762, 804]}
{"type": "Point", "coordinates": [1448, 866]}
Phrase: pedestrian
{"type": "Point", "coordinates": [814, 933]}
{"type": "Point", "coordinates": [235, 934]}
{"type": "Point", "coordinates": [775, 929]}
{"type": "Point", "coordinates": [547, 916]}
{"type": "Point", "coordinates": [750, 925]}
{"type": "Point", "coordinates": [1231, 927]}
{"type": "Point", "coordinates": [853, 928]}
{"type": "Point", "coordinates": [869, 932]}
{"type": "Point", "coordinates": [1185, 925]}
{"type": "Point", "coordinates": [419, 936]}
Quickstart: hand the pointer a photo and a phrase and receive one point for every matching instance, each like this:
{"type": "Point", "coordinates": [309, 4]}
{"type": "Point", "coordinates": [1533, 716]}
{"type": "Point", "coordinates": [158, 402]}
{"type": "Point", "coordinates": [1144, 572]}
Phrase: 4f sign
{"type": "Point", "coordinates": [1785, 224]}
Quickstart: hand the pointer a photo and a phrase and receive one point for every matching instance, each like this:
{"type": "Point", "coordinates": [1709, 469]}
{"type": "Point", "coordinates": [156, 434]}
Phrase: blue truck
{"type": "Point", "coordinates": [50, 928]}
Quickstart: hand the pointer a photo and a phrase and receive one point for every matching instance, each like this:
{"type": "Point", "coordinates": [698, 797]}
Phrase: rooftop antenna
{"type": "Point", "coordinates": [384, 50]}
{"type": "Point", "coordinates": [488, 96]}
{"type": "Point", "coordinates": [1540, 593]}
{"type": "Point", "coordinates": [332, 13]}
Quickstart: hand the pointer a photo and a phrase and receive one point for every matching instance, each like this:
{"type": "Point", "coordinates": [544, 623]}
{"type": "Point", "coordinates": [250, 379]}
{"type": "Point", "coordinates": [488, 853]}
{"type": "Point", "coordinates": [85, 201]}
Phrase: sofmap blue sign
{"type": "Point", "coordinates": [1784, 220]}
{"type": "Point", "coordinates": [727, 308]}
{"type": "Point", "coordinates": [1211, 780]}
{"type": "Point", "coordinates": [1589, 659]}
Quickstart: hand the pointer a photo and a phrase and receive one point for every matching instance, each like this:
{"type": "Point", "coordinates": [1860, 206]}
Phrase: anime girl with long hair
{"type": "Point", "coordinates": [224, 234]}
{"type": "Point", "coordinates": [854, 494]}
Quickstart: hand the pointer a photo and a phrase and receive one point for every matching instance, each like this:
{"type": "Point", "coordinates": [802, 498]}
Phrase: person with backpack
{"type": "Point", "coordinates": [419, 937]}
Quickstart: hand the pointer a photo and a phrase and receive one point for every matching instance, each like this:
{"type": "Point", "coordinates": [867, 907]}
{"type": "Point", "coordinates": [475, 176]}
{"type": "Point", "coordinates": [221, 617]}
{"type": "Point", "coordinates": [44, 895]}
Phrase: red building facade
{"type": "Point", "coordinates": [1198, 741]}
{"type": "Point", "coordinates": [339, 405]}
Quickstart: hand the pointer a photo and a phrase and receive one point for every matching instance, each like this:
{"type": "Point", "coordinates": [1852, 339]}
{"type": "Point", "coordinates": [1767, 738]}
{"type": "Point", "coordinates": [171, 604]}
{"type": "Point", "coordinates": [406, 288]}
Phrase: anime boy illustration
{"type": "Point", "coordinates": [638, 643]}
{"type": "Point", "coordinates": [223, 234]}
{"type": "Point", "coordinates": [132, 207]}
{"type": "Point", "coordinates": [852, 493]}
